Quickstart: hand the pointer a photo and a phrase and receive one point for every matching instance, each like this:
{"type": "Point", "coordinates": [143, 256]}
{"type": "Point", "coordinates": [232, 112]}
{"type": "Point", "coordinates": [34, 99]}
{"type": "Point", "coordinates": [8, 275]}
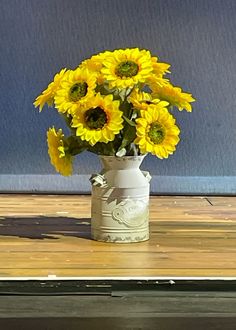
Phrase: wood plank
{"type": "Point", "coordinates": [211, 304]}
{"type": "Point", "coordinates": [190, 311]}
{"type": "Point", "coordinates": [106, 272]}
{"type": "Point", "coordinates": [226, 201]}
{"type": "Point", "coordinates": [50, 234]}
{"type": "Point", "coordinates": [165, 322]}
{"type": "Point", "coordinates": [163, 244]}
{"type": "Point", "coordinates": [123, 260]}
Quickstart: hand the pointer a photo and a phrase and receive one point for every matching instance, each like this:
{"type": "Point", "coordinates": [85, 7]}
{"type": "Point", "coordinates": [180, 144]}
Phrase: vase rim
{"type": "Point", "coordinates": [126, 157]}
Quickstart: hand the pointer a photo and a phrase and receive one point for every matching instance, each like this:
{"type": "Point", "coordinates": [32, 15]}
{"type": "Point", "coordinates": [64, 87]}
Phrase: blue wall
{"type": "Point", "coordinates": [39, 37]}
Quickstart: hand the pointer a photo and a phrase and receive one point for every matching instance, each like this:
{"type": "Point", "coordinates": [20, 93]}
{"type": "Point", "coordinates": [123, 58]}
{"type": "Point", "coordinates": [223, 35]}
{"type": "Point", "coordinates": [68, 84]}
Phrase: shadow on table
{"type": "Point", "coordinates": [45, 227]}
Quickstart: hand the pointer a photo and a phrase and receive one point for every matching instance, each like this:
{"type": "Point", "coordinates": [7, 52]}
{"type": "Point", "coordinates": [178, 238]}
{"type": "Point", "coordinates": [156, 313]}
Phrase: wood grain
{"type": "Point", "coordinates": [43, 235]}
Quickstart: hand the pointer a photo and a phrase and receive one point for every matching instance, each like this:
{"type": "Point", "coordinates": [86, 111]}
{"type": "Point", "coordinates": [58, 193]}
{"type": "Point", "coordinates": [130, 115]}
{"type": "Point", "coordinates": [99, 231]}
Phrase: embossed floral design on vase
{"type": "Point", "coordinates": [119, 105]}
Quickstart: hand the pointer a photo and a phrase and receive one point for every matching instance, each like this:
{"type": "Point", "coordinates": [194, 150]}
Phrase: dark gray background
{"type": "Point", "coordinates": [197, 37]}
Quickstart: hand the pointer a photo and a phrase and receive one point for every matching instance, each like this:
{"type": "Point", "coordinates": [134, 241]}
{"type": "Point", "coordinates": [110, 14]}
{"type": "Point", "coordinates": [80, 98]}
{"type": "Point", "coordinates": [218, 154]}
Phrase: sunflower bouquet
{"type": "Point", "coordinates": [116, 103]}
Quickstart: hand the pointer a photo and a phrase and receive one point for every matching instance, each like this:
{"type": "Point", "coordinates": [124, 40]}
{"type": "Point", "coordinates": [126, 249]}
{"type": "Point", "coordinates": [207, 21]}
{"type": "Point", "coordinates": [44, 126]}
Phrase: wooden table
{"type": "Point", "coordinates": [49, 235]}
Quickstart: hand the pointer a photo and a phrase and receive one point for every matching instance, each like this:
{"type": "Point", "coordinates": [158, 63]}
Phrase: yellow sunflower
{"type": "Point", "coordinates": [157, 132]}
{"type": "Point", "coordinates": [142, 100]}
{"type": "Point", "coordinates": [48, 94]}
{"type": "Point", "coordinates": [76, 88]}
{"type": "Point", "coordinates": [60, 159]}
{"type": "Point", "coordinates": [154, 81]}
{"type": "Point", "coordinates": [94, 64]}
{"type": "Point", "coordinates": [127, 67]}
{"type": "Point", "coordinates": [99, 121]}
{"type": "Point", "coordinates": [156, 77]}
{"type": "Point", "coordinates": [159, 69]}
{"type": "Point", "coordinates": [174, 96]}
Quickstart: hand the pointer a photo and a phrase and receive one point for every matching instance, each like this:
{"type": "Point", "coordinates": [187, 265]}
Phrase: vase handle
{"type": "Point", "coordinates": [147, 175]}
{"type": "Point", "coordinates": [98, 180]}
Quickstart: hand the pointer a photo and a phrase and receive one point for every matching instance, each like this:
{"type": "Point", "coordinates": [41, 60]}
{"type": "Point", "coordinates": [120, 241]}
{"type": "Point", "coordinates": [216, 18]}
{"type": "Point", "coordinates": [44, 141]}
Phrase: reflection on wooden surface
{"type": "Point", "coordinates": [43, 235]}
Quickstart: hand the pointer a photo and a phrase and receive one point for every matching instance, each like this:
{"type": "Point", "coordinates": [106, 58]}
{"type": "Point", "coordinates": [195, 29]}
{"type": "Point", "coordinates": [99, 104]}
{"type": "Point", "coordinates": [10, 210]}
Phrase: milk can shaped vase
{"type": "Point", "coordinates": [120, 201]}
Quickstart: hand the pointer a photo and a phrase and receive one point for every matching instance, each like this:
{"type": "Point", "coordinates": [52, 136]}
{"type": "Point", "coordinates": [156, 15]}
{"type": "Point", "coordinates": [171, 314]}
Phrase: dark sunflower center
{"type": "Point", "coordinates": [127, 69]}
{"type": "Point", "coordinates": [77, 91]}
{"type": "Point", "coordinates": [156, 133]}
{"type": "Point", "coordinates": [95, 118]}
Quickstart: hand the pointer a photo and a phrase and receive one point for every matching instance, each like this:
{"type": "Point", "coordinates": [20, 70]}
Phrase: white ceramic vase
{"type": "Point", "coordinates": [120, 201]}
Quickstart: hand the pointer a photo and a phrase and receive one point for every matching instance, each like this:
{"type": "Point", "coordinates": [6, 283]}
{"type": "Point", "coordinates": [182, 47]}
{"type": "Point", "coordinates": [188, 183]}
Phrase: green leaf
{"type": "Point", "coordinates": [104, 89]}
{"type": "Point", "coordinates": [122, 94]}
{"type": "Point", "coordinates": [129, 121]}
{"type": "Point", "coordinates": [101, 148]}
{"type": "Point", "coordinates": [126, 108]}
{"type": "Point", "coordinates": [128, 91]}
{"type": "Point", "coordinates": [75, 145]}
{"type": "Point", "coordinates": [129, 134]}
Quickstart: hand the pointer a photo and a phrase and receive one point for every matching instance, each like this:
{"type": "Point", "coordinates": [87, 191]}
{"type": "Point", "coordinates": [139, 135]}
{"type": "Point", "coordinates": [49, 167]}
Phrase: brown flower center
{"type": "Point", "coordinates": [127, 69]}
{"type": "Point", "coordinates": [77, 91]}
{"type": "Point", "coordinates": [95, 118]}
{"type": "Point", "coordinates": [156, 133]}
